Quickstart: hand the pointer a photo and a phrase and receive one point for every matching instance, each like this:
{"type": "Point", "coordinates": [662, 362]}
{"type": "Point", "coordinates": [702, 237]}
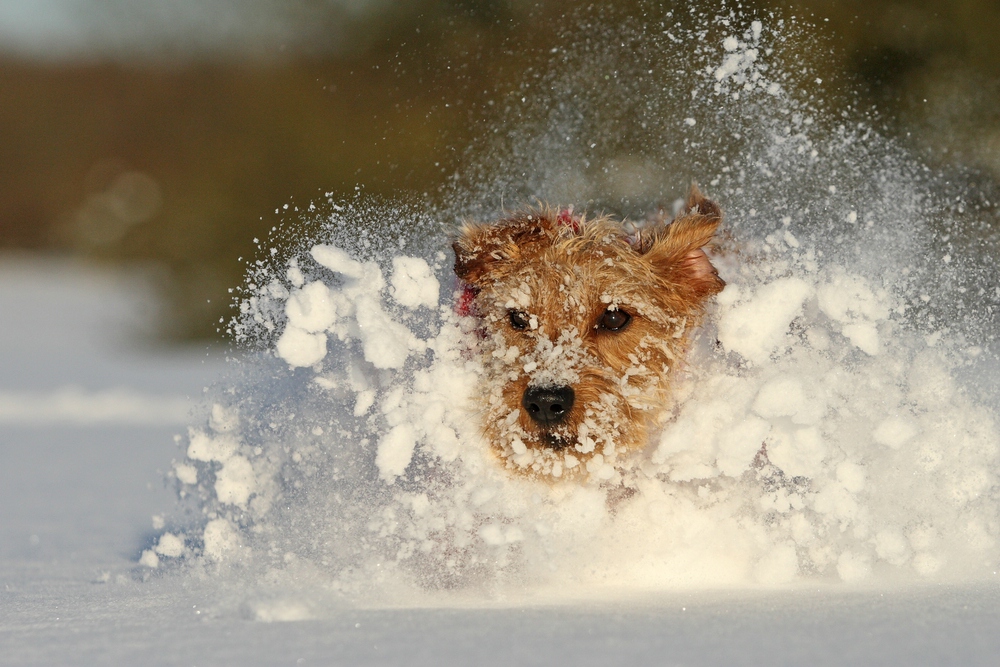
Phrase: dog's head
{"type": "Point", "coordinates": [583, 324]}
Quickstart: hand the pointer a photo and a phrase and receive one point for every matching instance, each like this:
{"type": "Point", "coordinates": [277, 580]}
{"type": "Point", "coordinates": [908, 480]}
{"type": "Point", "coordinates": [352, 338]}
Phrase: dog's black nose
{"type": "Point", "coordinates": [548, 405]}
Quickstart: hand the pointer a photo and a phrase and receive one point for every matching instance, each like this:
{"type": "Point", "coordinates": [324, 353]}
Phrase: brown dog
{"type": "Point", "coordinates": [582, 324]}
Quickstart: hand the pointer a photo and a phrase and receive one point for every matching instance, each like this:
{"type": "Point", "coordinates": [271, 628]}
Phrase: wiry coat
{"type": "Point", "coordinates": [561, 275]}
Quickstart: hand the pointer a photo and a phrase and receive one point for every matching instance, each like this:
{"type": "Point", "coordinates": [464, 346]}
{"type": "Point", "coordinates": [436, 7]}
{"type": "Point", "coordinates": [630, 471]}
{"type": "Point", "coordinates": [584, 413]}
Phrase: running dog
{"type": "Point", "coordinates": [581, 324]}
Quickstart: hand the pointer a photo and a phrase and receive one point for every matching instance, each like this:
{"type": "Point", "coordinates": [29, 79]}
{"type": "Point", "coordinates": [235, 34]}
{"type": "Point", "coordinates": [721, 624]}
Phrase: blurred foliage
{"type": "Point", "coordinates": [182, 161]}
{"type": "Point", "coordinates": [932, 67]}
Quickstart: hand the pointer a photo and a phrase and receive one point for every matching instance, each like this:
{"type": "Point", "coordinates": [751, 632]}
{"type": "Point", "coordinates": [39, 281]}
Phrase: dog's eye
{"type": "Point", "coordinates": [518, 319]}
{"type": "Point", "coordinates": [614, 320]}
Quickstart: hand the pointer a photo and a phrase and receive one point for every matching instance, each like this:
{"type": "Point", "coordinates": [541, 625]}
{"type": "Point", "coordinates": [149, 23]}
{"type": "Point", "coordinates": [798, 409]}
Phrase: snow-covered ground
{"type": "Point", "coordinates": [88, 412]}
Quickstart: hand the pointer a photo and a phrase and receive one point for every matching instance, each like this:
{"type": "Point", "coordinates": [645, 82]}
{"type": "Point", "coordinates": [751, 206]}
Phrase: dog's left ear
{"type": "Point", "coordinates": [677, 250]}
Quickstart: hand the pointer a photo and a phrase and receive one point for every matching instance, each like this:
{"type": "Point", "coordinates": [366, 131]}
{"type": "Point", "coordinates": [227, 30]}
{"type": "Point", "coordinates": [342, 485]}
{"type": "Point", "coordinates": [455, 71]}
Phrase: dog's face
{"type": "Point", "coordinates": [582, 325]}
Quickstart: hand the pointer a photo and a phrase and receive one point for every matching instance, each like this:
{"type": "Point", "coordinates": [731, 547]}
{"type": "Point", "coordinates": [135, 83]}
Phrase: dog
{"type": "Point", "coordinates": [581, 325]}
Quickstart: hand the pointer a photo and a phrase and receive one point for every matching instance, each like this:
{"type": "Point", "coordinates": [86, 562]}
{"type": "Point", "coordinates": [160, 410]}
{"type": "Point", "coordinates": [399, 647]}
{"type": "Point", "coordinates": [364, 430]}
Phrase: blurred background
{"type": "Point", "coordinates": [171, 133]}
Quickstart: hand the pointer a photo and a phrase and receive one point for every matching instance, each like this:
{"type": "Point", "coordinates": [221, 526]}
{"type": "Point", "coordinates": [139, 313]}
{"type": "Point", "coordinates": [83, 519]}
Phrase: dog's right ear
{"type": "Point", "coordinates": [484, 249]}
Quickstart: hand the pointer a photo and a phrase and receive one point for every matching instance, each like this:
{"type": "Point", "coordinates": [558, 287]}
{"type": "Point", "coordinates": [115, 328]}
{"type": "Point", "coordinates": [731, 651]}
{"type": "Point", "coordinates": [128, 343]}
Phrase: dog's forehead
{"type": "Point", "coordinates": [564, 281]}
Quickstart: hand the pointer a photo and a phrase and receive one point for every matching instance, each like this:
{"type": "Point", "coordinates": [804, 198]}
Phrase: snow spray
{"type": "Point", "coordinates": [344, 462]}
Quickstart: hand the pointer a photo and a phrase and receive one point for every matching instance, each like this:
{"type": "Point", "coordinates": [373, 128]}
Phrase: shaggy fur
{"type": "Point", "coordinates": [551, 291]}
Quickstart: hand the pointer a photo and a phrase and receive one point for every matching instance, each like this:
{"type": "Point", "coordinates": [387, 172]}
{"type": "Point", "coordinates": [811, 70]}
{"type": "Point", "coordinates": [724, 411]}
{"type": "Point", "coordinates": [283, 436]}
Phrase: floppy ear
{"type": "Point", "coordinates": [481, 249]}
{"type": "Point", "coordinates": [677, 253]}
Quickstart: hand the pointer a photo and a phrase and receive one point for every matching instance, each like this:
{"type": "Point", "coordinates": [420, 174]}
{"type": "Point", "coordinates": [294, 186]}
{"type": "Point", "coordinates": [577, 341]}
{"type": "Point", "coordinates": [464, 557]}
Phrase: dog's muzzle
{"type": "Point", "coordinates": [548, 406]}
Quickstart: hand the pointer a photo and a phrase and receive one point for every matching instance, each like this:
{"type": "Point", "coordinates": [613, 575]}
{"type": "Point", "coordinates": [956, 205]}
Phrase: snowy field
{"type": "Point", "coordinates": [328, 499]}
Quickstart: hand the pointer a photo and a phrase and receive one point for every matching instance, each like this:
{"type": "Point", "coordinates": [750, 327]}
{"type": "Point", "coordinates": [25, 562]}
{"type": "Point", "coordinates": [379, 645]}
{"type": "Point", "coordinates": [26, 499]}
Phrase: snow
{"type": "Point", "coordinates": [235, 481]}
{"type": "Point", "coordinates": [170, 545]}
{"type": "Point", "coordinates": [311, 308]}
{"type": "Point", "coordinates": [413, 283]}
{"type": "Point", "coordinates": [395, 451]}
{"type": "Point", "coordinates": [757, 325]}
{"type": "Point", "coordinates": [822, 492]}
{"type": "Point", "coordinates": [896, 431]}
{"type": "Point", "coordinates": [778, 467]}
{"type": "Point", "coordinates": [778, 464]}
{"type": "Point", "coordinates": [301, 348]}
{"type": "Point", "coordinates": [354, 311]}
{"type": "Point", "coordinates": [222, 542]}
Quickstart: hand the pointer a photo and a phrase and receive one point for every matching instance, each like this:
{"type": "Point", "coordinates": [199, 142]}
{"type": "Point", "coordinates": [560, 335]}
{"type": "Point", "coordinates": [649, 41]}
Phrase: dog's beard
{"type": "Point", "coordinates": [557, 439]}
